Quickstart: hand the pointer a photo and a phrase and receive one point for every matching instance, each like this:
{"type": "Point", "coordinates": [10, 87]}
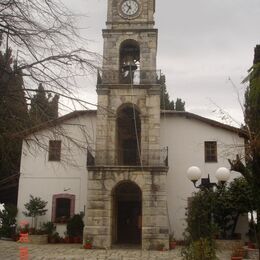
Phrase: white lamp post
{"type": "Point", "coordinates": [194, 174]}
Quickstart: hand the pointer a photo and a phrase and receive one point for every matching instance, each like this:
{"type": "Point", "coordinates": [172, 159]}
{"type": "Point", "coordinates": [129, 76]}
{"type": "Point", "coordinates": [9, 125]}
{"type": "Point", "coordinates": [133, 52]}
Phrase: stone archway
{"type": "Point", "coordinates": [128, 135]}
{"type": "Point", "coordinates": [127, 213]}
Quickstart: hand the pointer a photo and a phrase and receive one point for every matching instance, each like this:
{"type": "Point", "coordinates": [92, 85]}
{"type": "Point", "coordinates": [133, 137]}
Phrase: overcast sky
{"type": "Point", "coordinates": [202, 44]}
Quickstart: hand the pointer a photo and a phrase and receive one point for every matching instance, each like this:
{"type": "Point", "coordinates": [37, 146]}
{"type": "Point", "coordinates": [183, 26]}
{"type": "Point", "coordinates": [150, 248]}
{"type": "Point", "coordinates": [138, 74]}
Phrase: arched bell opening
{"type": "Point", "coordinates": [129, 60]}
{"type": "Point", "coordinates": [128, 135]}
{"type": "Point", "coordinates": [127, 213]}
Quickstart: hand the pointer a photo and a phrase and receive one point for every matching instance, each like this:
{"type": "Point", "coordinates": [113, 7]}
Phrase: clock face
{"type": "Point", "coordinates": [130, 7]}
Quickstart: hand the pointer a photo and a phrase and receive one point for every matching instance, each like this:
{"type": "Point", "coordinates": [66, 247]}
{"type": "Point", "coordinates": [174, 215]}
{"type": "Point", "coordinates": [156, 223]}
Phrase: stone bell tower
{"type": "Point", "coordinates": [127, 170]}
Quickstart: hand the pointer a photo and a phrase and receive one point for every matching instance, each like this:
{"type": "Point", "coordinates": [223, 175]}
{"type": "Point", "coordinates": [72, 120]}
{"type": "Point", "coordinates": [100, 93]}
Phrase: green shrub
{"type": "Point", "coordinates": [48, 228]}
{"type": "Point", "coordinates": [202, 249]}
{"type": "Point", "coordinates": [8, 219]}
{"type": "Point", "coordinates": [75, 226]}
{"type": "Point", "coordinates": [35, 207]}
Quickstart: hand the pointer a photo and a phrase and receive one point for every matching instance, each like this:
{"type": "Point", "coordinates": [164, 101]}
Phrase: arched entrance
{"type": "Point", "coordinates": [128, 135]}
{"type": "Point", "coordinates": [127, 215]}
{"type": "Point", "coordinates": [129, 60]}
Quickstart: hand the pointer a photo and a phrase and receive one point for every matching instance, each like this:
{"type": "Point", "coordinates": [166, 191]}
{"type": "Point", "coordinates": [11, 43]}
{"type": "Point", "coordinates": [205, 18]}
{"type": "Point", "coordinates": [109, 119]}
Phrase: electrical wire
{"type": "Point", "coordinates": [135, 123]}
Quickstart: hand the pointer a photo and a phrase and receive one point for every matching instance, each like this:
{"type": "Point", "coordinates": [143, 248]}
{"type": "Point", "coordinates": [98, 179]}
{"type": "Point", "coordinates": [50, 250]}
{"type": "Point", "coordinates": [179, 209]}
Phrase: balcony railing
{"type": "Point", "coordinates": [128, 157]}
{"type": "Point", "coordinates": [136, 77]}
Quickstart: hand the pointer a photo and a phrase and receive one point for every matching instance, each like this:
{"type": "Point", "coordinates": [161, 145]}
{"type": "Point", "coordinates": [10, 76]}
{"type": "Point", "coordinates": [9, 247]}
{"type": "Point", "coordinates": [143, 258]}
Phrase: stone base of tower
{"type": "Point", "coordinates": [110, 219]}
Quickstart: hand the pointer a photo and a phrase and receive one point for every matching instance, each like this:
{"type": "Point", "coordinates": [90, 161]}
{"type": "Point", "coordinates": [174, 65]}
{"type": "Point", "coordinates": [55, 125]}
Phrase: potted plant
{"type": "Point", "coordinates": [8, 221]}
{"type": "Point", "coordinates": [75, 228]}
{"type": "Point", "coordinates": [160, 247]}
{"type": "Point", "coordinates": [238, 253]}
{"type": "Point", "coordinates": [172, 242]}
{"type": "Point", "coordinates": [54, 238]}
{"type": "Point", "coordinates": [88, 243]}
{"type": "Point", "coordinates": [49, 228]}
{"type": "Point", "coordinates": [66, 238]}
{"type": "Point", "coordinates": [35, 208]}
{"type": "Point", "coordinates": [251, 245]}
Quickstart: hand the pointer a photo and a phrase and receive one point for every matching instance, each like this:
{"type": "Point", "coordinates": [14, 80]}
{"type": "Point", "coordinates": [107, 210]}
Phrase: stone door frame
{"type": "Point", "coordinates": [114, 213]}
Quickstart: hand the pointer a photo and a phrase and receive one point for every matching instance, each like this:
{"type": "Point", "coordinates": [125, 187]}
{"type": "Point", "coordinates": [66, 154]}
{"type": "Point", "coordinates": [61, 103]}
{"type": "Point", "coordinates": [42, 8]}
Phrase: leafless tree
{"type": "Point", "coordinates": [49, 47]}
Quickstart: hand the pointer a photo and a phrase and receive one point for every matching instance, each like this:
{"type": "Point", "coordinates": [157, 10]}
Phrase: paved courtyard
{"type": "Point", "coordinates": [10, 251]}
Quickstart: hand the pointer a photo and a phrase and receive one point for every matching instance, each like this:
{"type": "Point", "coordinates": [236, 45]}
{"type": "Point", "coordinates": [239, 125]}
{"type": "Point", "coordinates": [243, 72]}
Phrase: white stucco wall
{"type": "Point", "coordinates": [185, 139]}
{"type": "Point", "coordinates": [43, 178]}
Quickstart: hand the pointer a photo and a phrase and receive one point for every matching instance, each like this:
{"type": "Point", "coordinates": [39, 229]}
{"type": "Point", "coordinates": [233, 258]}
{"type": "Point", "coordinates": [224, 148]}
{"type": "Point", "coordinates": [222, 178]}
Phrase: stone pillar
{"type": "Point", "coordinates": [102, 127]}
{"type": "Point", "coordinates": [155, 229]}
{"type": "Point", "coordinates": [98, 221]}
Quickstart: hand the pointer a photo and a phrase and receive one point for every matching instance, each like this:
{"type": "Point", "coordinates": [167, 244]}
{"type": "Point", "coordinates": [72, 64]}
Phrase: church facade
{"type": "Point", "coordinates": [124, 165]}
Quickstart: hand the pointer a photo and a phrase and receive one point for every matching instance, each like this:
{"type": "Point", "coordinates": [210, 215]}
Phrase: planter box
{"type": "Point", "coordinates": [38, 239]}
{"type": "Point", "coordinates": [88, 246]}
{"type": "Point", "coordinates": [253, 254]}
{"type": "Point", "coordinates": [228, 244]}
{"type": "Point", "coordinates": [172, 245]}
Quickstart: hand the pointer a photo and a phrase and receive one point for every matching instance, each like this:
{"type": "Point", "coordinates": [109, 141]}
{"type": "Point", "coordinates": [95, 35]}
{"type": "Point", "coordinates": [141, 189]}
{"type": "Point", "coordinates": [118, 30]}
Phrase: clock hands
{"type": "Point", "coordinates": [129, 7]}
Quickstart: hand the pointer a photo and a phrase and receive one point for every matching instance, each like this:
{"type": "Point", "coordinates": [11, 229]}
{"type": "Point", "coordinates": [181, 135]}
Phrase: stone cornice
{"type": "Point", "coordinates": [134, 30]}
{"type": "Point", "coordinates": [113, 168]}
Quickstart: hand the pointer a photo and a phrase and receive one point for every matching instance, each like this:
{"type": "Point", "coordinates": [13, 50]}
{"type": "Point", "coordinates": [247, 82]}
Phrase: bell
{"type": "Point", "coordinates": [129, 64]}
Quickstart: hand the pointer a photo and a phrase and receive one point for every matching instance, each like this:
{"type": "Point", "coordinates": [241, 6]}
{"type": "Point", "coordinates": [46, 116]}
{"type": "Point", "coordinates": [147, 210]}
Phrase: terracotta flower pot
{"type": "Point", "coordinates": [172, 244]}
{"type": "Point", "coordinates": [251, 245]}
{"type": "Point", "coordinates": [88, 246]}
{"type": "Point", "coordinates": [77, 240]}
{"type": "Point", "coordinates": [66, 239]}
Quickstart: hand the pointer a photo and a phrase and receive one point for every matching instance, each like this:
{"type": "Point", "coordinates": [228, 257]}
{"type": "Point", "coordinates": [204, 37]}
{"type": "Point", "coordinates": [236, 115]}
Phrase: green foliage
{"type": "Point", "coordinates": [251, 171]}
{"type": "Point", "coordinates": [75, 226]}
{"type": "Point", "coordinates": [48, 227]}
{"type": "Point", "coordinates": [8, 220]}
{"type": "Point", "coordinates": [224, 212]}
{"type": "Point", "coordinates": [43, 108]}
{"type": "Point", "coordinates": [252, 99]}
{"type": "Point", "coordinates": [199, 224]}
{"type": "Point", "coordinates": [166, 103]}
{"type": "Point", "coordinates": [242, 196]}
{"type": "Point", "coordinates": [13, 114]}
{"type": "Point", "coordinates": [213, 212]}
{"type": "Point", "coordinates": [201, 249]}
{"type": "Point", "coordinates": [180, 105]}
{"type": "Point", "coordinates": [230, 203]}
{"type": "Point", "coordinates": [35, 207]}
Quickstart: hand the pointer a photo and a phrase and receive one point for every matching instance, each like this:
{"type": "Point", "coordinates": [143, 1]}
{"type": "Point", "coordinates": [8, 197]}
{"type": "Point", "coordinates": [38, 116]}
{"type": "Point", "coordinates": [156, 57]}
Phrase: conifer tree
{"type": "Point", "coordinates": [166, 103]}
{"type": "Point", "coordinates": [252, 120]}
{"type": "Point", "coordinates": [13, 114]}
{"type": "Point", "coordinates": [43, 107]}
{"type": "Point", "coordinates": [180, 105]}
{"type": "Point", "coordinates": [251, 170]}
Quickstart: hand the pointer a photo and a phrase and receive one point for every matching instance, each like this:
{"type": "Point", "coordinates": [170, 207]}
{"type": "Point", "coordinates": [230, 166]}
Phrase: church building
{"type": "Point", "coordinates": [124, 165]}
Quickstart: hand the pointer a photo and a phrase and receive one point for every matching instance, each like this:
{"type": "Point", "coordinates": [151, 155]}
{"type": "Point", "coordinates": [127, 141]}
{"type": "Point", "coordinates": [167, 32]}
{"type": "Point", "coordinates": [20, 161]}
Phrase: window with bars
{"type": "Point", "coordinates": [54, 150]}
{"type": "Point", "coordinates": [211, 151]}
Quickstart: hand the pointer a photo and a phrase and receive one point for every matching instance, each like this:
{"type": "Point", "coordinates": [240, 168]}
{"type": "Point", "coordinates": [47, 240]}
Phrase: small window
{"type": "Point", "coordinates": [211, 152]}
{"type": "Point", "coordinates": [63, 207]}
{"type": "Point", "coordinates": [54, 150]}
